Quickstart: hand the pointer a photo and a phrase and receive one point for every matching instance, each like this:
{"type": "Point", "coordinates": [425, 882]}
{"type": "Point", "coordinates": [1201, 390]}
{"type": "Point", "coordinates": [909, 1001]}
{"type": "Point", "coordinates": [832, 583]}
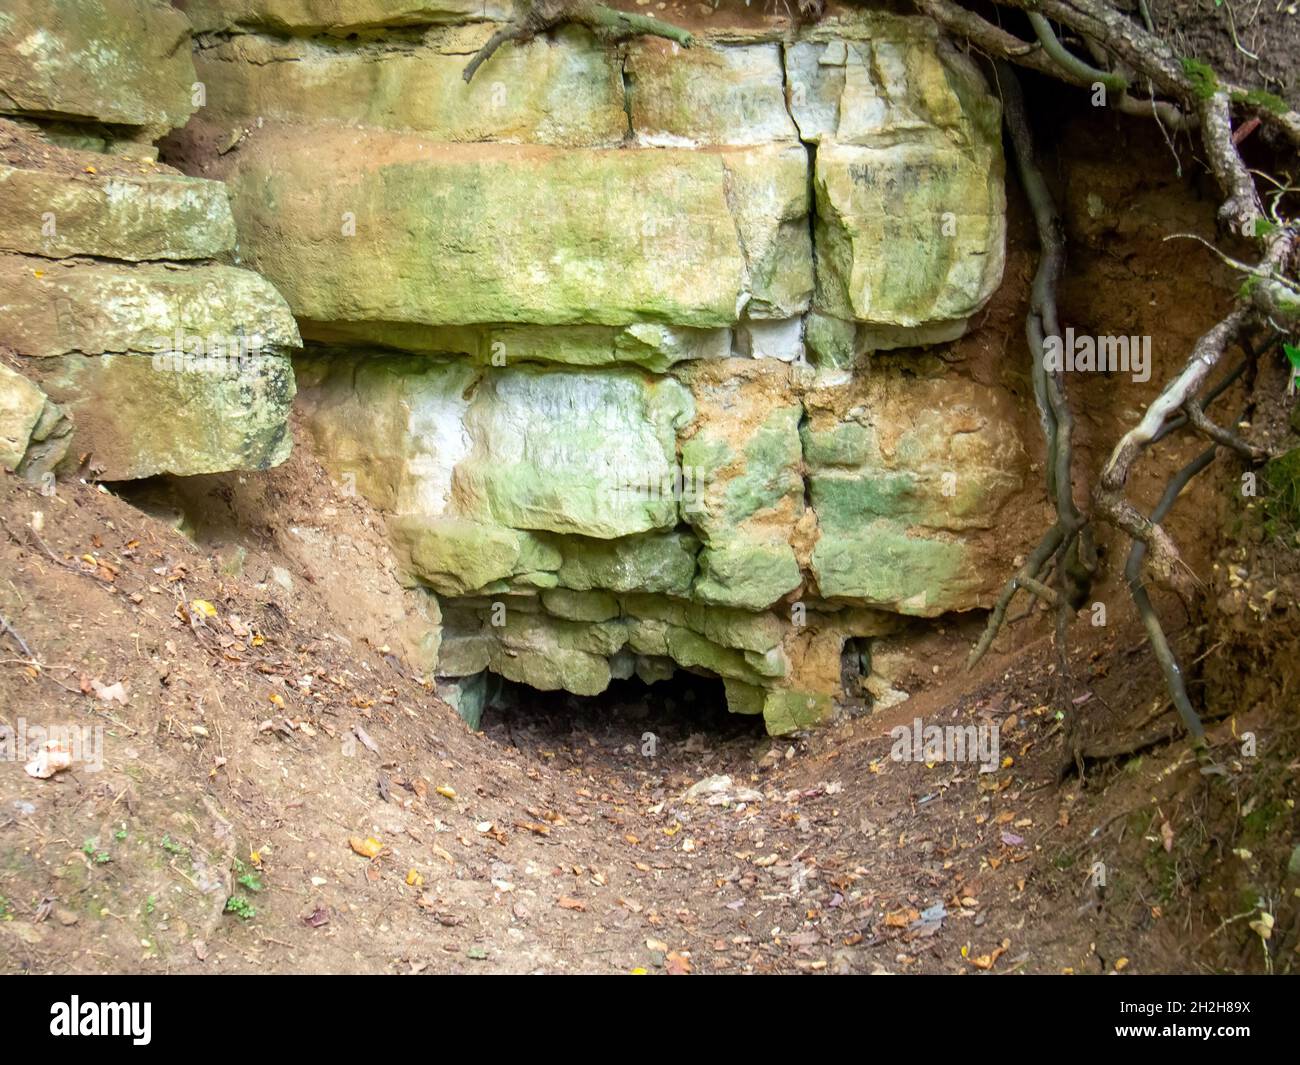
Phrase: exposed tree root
{"type": "Point", "coordinates": [1223, 437]}
{"type": "Point", "coordinates": [1165, 657]}
{"type": "Point", "coordinates": [1063, 542]}
{"type": "Point", "coordinates": [1229, 379]}
{"type": "Point", "coordinates": [1070, 62]}
{"type": "Point", "coordinates": [1152, 57]}
{"type": "Point", "coordinates": [1124, 52]}
{"type": "Point", "coordinates": [1109, 499]}
{"type": "Point", "coordinates": [1030, 571]}
{"type": "Point", "coordinates": [535, 17]}
{"type": "Point", "coordinates": [1150, 619]}
{"type": "Point", "coordinates": [998, 43]}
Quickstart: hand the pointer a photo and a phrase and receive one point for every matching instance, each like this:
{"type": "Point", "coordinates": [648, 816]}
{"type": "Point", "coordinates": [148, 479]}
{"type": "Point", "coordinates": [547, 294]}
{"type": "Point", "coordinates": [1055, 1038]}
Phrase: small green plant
{"type": "Point", "coordinates": [149, 905]}
{"type": "Point", "coordinates": [6, 910]}
{"type": "Point", "coordinates": [1281, 477]}
{"type": "Point", "coordinates": [251, 882]}
{"type": "Point", "coordinates": [172, 847]}
{"type": "Point", "coordinates": [1292, 353]}
{"type": "Point", "coordinates": [120, 835]}
{"type": "Point", "coordinates": [240, 907]}
{"type": "Point", "coordinates": [91, 849]}
{"type": "Point", "coordinates": [1264, 227]}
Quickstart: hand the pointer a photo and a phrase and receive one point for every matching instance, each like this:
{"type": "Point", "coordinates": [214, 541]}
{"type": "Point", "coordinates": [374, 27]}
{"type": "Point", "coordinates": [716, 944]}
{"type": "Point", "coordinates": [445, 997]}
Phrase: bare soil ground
{"type": "Point", "coordinates": [260, 734]}
{"type": "Point", "coordinates": [1252, 42]}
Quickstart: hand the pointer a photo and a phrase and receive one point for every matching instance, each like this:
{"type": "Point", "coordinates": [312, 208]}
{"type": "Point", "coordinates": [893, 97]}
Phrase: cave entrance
{"type": "Point", "coordinates": [686, 712]}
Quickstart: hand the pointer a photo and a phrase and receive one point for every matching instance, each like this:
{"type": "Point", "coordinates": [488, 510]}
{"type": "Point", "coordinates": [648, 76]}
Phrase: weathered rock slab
{"type": "Point", "coordinates": [339, 17]}
{"type": "Point", "coordinates": [908, 478]}
{"type": "Point", "coordinates": [135, 218]}
{"type": "Point", "coordinates": [411, 232]}
{"type": "Point", "coordinates": [125, 62]}
{"type": "Point", "coordinates": [21, 404]}
{"type": "Point", "coordinates": [562, 91]}
{"type": "Point", "coordinates": [55, 308]}
{"type": "Point", "coordinates": [132, 419]}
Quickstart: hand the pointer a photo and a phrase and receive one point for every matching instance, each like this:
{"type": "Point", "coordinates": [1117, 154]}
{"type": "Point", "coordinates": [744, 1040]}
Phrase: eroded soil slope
{"type": "Point", "coordinates": [260, 734]}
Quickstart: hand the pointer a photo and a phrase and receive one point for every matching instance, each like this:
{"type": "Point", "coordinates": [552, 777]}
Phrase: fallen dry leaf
{"type": "Point", "coordinates": [987, 961]}
{"type": "Point", "coordinates": [677, 964]}
{"type": "Point", "coordinates": [902, 918]}
{"type": "Point", "coordinates": [367, 848]}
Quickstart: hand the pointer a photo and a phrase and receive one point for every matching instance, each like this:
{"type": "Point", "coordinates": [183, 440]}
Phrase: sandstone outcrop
{"type": "Point", "coordinates": [118, 299]}
{"type": "Point", "coordinates": [628, 342]}
{"type": "Point", "coordinates": [594, 329]}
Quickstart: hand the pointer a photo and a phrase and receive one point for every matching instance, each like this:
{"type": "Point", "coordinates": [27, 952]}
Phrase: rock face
{"type": "Point", "coordinates": [33, 431]}
{"type": "Point", "coordinates": [133, 217]}
{"type": "Point", "coordinates": [424, 235]}
{"type": "Point", "coordinates": [908, 476]}
{"type": "Point", "coordinates": [121, 62]}
{"type": "Point", "coordinates": [336, 17]}
{"type": "Point", "coordinates": [21, 403]}
{"type": "Point", "coordinates": [595, 330]}
{"type": "Point", "coordinates": [57, 308]}
{"type": "Point", "coordinates": [202, 421]}
{"type": "Point", "coordinates": [908, 176]}
{"type": "Point", "coordinates": [111, 303]}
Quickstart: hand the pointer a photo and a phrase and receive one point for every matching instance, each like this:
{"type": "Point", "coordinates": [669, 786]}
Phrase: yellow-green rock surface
{"type": "Point", "coordinates": [596, 332]}
{"type": "Point", "coordinates": [125, 62]}
{"type": "Point", "coordinates": [117, 216]}
{"type": "Point", "coordinates": [53, 308]}
{"type": "Point", "coordinates": [133, 419]}
{"type": "Point", "coordinates": [410, 231]}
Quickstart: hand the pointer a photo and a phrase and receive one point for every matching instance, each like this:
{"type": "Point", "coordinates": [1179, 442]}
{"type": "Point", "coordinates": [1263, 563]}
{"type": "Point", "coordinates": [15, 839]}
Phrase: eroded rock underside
{"type": "Point", "coordinates": [640, 350]}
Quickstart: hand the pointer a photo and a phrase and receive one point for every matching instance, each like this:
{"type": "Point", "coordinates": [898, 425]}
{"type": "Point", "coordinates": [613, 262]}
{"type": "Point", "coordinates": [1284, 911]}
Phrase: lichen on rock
{"type": "Point", "coordinates": [609, 383]}
{"type": "Point", "coordinates": [594, 331]}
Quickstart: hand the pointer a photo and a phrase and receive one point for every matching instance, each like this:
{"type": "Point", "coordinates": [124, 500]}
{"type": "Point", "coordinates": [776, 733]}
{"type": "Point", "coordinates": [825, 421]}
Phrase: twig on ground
{"type": "Point", "coordinates": [6, 627]}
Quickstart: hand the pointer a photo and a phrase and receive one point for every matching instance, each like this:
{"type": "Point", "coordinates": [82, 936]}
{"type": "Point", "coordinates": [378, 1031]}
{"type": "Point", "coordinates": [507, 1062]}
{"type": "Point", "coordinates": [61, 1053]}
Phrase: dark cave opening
{"type": "Point", "coordinates": [645, 717]}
